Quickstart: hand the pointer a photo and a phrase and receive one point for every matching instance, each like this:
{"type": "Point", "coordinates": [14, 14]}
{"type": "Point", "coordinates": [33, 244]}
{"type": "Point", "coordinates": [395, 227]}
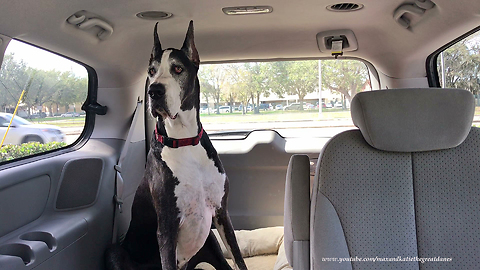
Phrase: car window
{"type": "Point", "coordinates": [459, 67]}
{"type": "Point", "coordinates": [286, 96]}
{"type": "Point", "coordinates": [48, 114]}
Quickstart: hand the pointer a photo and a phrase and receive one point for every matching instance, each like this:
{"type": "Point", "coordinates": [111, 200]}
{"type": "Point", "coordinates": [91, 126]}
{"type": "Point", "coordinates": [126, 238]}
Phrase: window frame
{"type": "Point", "coordinates": [89, 117]}
{"type": "Point", "coordinates": [431, 61]}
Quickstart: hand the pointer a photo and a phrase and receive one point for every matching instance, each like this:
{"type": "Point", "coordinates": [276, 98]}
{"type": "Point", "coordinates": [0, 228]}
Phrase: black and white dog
{"type": "Point", "coordinates": [185, 187]}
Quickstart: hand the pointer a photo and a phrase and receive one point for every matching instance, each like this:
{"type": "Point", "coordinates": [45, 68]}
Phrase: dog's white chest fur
{"type": "Point", "coordinates": [199, 193]}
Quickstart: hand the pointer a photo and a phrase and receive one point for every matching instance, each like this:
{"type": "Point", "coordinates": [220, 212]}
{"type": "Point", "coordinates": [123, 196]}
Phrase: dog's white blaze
{"type": "Point", "coordinates": [172, 88]}
{"type": "Point", "coordinates": [199, 193]}
{"type": "Point", "coordinates": [184, 126]}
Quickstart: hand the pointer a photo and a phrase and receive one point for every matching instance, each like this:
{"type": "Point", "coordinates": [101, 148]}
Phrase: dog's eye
{"type": "Point", "coordinates": [152, 71]}
{"type": "Point", "coordinates": [178, 69]}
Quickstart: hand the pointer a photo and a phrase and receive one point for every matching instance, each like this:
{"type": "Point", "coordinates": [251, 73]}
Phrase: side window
{"type": "Point", "coordinates": [41, 95]}
{"type": "Point", "coordinates": [459, 67]}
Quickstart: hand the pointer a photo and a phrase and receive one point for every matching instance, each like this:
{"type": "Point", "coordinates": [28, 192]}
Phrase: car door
{"type": "Point", "coordinates": [56, 199]}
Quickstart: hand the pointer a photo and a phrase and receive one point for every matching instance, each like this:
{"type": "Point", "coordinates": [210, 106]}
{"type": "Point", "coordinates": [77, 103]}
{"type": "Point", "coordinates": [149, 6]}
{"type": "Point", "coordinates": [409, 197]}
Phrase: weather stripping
{"type": "Point", "coordinates": [245, 10]}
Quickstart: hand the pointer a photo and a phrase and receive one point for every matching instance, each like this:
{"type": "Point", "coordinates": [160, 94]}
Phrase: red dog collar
{"type": "Point", "coordinates": [176, 143]}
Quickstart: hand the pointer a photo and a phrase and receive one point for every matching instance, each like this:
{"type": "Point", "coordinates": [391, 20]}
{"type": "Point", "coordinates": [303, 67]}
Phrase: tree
{"type": "Point", "coordinates": [238, 79]}
{"type": "Point", "coordinates": [13, 78]}
{"type": "Point", "coordinates": [347, 77]}
{"type": "Point", "coordinates": [295, 78]}
{"type": "Point", "coordinates": [462, 66]}
{"type": "Point", "coordinates": [212, 79]}
{"type": "Point", "coordinates": [42, 87]}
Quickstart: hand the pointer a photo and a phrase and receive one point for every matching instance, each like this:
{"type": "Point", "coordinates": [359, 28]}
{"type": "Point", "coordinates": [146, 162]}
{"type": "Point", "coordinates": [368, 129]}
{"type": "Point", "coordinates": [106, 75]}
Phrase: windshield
{"type": "Point", "coordinates": [294, 98]}
{"type": "Point", "coordinates": [17, 120]}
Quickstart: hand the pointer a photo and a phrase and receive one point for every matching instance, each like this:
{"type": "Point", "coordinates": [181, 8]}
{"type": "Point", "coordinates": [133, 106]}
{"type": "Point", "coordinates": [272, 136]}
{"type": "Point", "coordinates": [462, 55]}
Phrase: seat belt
{"type": "Point", "coordinates": [119, 183]}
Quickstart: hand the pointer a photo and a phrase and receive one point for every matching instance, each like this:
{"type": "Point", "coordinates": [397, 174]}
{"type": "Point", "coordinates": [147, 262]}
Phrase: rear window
{"type": "Point", "coordinates": [296, 98]}
{"type": "Point", "coordinates": [41, 95]}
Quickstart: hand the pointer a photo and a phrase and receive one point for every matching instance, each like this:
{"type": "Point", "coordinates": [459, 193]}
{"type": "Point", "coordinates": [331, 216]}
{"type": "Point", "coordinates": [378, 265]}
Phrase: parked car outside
{"type": "Point", "coordinates": [338, 105]}
{"type": "Point", "coordinates": [225, 109]}
{"type": "Point", "coordinates": [263, 106]}
{"type": "Point", "coordinates": [293, 106]}
{"type": "Point", "coordinates": [23, 131]}
{"type": "Point", "coordinates": [248, 108]}
{"type": "Point", "coordinates": [279, 107]}
{"type": "Point", "coordinates": [204, 110]}
{"type": "Point", "coordinates": [70, 114]}
{"type": "Point", "coordinates": [308, 106]}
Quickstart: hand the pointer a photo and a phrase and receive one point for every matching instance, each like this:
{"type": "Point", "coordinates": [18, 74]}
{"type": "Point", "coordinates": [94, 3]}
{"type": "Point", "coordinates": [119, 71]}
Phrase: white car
{"type": "Point", "coordinates": [23, 131]}
{"type": "Point", "coordinates": [70, 114]}
{"type": "Point", "coordinates": [224, 109]}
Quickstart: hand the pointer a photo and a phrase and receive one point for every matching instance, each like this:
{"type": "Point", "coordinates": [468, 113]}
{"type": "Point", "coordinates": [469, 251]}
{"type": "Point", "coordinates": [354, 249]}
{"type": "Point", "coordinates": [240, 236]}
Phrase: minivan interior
{"type": "Point", "coordinates": [349, 131]}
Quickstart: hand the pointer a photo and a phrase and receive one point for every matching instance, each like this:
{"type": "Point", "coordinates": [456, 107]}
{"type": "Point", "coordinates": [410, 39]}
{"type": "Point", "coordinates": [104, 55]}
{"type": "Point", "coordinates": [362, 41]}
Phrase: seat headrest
{"type": "Point", "coordinates": [413, 119]}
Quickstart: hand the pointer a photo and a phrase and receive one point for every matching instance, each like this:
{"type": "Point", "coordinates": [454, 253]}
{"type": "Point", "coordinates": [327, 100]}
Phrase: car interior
{"type": "Point", "coordinates": [365, 158]}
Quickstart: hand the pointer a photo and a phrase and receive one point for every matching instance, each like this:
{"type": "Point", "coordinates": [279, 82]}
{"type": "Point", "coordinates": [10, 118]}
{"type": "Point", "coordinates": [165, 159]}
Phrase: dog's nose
{"type": "Point", "coordinates": [156, 91]}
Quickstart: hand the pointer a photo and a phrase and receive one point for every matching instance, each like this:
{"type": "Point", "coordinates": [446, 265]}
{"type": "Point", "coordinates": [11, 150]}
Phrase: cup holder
{"type": "Point", "coordinates": [18, 250]}
{"type": "Point", "coordinates": [45, 237]}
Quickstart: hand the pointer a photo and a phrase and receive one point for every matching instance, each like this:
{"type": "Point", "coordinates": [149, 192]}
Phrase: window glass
{"type": "Point", "coordinates": [459, 67]}
{"type": "Point", "coordinates": [48, 115]}
{"type": "Point", "coordinates": [286, 96]}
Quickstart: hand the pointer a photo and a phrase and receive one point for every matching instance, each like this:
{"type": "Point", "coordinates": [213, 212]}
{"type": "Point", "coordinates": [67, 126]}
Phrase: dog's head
{"type": "Point", "coordinates": [172, 77]}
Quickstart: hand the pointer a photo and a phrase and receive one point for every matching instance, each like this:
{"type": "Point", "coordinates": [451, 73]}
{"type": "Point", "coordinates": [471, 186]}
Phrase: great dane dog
{"type": "Point", "coordinates": [185, 187]}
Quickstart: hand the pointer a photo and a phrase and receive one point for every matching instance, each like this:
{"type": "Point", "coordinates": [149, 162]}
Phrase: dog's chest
{"type": "Point", "coordinates": [200, 185]}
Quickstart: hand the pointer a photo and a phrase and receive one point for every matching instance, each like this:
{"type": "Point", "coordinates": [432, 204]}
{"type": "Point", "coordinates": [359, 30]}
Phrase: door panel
{"type": "Point", "coordinates": [57, 212]}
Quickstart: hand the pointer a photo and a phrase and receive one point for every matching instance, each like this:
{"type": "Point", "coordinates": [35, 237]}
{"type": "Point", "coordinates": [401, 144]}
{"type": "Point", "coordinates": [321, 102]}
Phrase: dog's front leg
{"type": "Point", "coordinates": [225, 228]}
{"type": "Point", "coordinates": [167, 231]}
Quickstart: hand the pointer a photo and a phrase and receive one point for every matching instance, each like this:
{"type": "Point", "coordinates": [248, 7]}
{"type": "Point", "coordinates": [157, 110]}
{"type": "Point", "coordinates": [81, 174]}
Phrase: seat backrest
{"type": "Point", "coordinates": [403, 191]}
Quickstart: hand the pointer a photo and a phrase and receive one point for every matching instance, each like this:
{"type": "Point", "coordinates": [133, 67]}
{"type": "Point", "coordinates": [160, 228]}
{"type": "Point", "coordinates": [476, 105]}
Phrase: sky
{"type": "Point", "coordinates": [41, 59]}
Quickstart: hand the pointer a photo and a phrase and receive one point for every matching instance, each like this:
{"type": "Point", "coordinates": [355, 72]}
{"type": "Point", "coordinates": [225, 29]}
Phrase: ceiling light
{"type": "Point", "coordinates": [154, 15]}
{"type": "Point", "coordinates": [247, 10]}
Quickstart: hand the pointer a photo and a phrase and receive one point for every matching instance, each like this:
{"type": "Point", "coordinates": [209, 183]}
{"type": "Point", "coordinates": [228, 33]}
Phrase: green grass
{"type": "Point", "coordinates": [60, 121]}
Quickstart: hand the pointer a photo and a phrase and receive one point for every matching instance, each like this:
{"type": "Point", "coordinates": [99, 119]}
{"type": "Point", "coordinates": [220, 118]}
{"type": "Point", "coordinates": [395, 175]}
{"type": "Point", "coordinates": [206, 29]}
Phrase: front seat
{"type": "Point", "coordinates": [403, 191]}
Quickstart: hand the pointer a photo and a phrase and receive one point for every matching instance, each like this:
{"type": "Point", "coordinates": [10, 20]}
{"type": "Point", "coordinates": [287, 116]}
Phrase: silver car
{"type": "Point", "coordinates": [23, 131]}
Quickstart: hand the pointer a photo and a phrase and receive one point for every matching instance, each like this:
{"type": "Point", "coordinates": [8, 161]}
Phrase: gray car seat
{"type": "Point", "coordinates": [403, 192]}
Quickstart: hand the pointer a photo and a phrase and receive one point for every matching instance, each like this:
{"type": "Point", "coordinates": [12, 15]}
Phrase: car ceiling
{"type": "Point", "coordinates": [288, 32]}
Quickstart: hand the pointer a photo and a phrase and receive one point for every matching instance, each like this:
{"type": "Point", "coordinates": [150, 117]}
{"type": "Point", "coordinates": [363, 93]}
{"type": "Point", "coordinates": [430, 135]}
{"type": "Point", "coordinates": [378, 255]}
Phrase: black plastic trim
{"type": "Point", "coordinates": [431, 61]}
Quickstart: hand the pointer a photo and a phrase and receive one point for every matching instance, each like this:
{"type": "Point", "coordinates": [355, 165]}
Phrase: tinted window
{"type": "Point", "coordinates": [49, 115]}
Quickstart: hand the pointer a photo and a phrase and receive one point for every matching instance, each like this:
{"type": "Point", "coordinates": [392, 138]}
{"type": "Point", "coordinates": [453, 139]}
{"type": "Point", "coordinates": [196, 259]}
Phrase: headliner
{"type": "Point", "coordinates": [288, 32]}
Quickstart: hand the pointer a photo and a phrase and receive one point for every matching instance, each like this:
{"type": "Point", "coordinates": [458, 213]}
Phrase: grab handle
{"type": "Point", "coordinates": [107, 30]}
{"type": "Point", "coordinates": [404, 9]}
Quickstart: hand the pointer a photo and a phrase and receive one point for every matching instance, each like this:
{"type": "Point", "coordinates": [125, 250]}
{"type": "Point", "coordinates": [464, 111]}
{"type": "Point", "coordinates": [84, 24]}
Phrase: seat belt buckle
{"type": "Point", "coordinates": [337, 48]}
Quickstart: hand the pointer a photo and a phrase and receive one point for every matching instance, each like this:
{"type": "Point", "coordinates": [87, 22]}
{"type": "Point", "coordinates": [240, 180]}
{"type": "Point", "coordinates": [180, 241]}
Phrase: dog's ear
{"type": "Point", "coordinates": [189, 46]}
{"type": "Point", "coordinates": [157, 47]}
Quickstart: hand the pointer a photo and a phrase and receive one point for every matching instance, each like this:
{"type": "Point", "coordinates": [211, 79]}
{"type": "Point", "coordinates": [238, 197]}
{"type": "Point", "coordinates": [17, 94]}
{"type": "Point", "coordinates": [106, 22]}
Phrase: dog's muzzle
{"type": "Point", "coordinates": [156, 91]}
